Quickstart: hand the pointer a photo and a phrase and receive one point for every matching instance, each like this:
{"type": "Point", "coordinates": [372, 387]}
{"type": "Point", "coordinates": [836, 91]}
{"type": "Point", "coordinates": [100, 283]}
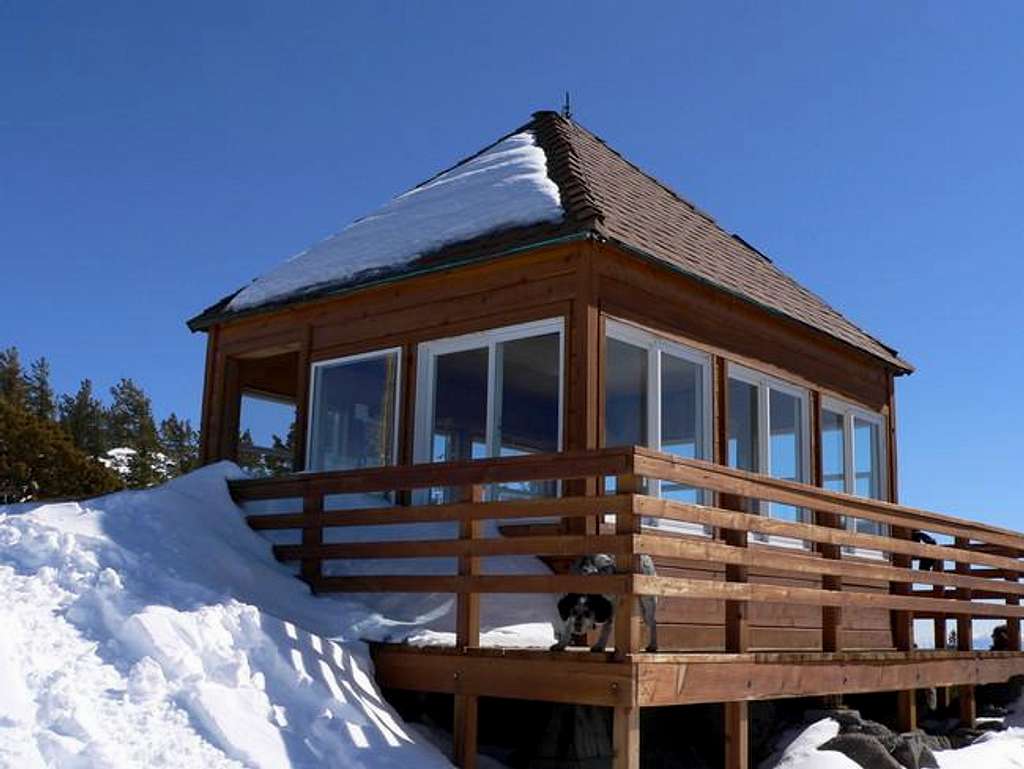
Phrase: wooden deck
{"type": "Point", "coordinates": [740, 618]}
{"type": "Point", "coordinates": [652, 680]}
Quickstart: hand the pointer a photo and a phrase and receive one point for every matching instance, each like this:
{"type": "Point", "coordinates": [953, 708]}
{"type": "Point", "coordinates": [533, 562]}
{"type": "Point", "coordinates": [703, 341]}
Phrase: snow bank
{"type": "Point", "coordinates": [995, 750]}
{"type": "Point", "coordinates": [802, 752]}
{"type": "Point", "coordinates": [504, 186]}
{"type": "Point", "coordinates": [154, 629]}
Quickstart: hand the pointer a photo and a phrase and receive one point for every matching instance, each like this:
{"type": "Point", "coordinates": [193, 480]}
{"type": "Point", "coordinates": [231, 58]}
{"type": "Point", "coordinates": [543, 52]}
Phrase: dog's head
{"type": "Point", "coordinates": [583, 612]}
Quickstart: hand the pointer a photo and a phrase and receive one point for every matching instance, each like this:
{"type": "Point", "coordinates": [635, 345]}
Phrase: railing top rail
{"type": "Point", "coordinates": [564, 465]}
{"type": "Point", "coordinates": [611, 462]}
{"type": "Point", "coordinates": [650, 462]}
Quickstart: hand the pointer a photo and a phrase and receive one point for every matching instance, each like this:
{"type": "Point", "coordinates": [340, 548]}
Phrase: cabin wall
{"type": "Point", "coordinates": [583, 283]}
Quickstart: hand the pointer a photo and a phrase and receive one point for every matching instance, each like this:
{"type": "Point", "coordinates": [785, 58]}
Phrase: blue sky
{"type": "Point", "coordinates": [154, 158]}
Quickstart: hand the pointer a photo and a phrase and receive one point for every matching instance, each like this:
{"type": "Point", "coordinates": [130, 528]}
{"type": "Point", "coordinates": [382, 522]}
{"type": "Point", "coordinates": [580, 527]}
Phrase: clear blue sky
{"type": "Point", "coordinates": [154, 158]}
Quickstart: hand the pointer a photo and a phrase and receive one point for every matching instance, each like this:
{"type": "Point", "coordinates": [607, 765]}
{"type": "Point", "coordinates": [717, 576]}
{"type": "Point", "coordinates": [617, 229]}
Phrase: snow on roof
{"type": "Point", "coordinates": [506, 185]}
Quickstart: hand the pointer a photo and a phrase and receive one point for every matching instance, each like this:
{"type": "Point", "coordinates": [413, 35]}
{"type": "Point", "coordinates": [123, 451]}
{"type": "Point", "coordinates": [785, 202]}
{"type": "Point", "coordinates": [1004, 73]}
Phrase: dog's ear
{"type": "Point", "coordinates": [601, 607]}
{"type": "Point", "coordinates": [565, 605]}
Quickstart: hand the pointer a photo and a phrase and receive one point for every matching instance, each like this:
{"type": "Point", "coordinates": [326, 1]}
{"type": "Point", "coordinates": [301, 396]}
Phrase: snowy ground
{"type": "Point", "coordinates": [997, 750]}
{"type": "Point", "coordinates": [154, 629]}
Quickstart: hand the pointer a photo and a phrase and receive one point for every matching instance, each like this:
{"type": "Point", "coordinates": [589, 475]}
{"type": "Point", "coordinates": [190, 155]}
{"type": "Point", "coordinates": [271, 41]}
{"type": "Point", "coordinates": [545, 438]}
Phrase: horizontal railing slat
{"type": "Point", "coordinates": [441, 548]}
{"type": "Point", "coordinates": [794, 562]}
{"type": "Point", "coordinates": [751, 591]}
{"type": "Point", "coordinates": [533, 467]}
{"type": "Point", "coordinates": [711, 516]}
{"type": "Point", "coordinates": [615, 584]}
{"type": "Point", "coordinates": [554, 507]}
{"type": "Point", "coordinates": [744, 484]}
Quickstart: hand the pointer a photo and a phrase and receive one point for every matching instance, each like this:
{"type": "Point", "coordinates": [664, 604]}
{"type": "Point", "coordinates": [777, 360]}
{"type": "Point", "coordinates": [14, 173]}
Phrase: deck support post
{"type": "Point", "coordinates": [737, 735]}
{"type": "Point", "coordinates": [626, 738]}
{"type": "Point", "coordinates": [967, 704]}
{"type": "Point", "coordinates": [464, 732]}
{"type": "Point", "coordinates": [906, 710]}
{"type": "Point", "coordinates": [627, 615]}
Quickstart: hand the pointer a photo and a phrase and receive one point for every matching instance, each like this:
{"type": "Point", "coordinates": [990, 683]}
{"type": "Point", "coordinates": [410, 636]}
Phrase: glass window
{"type": "Point", "coordinates": [744, 443]}
{"type": "Point", "coordinates": [833, 451]}
{"type": "Point", "coordinates": [867, 458]}
{"type": "Point", "coordinates": [768, 433]}
{"type": "Point", "coordinates": [625, 405]}
{"type": "Point", "coordinates": [657, 395]}
{"type": "Point", "coordinates": [682, 418]}
{"type": "Point", "coordinates": [492, 394]}
{"type": "Point", "coordinates": [852, 456]}
{"type": "Point", "coordinates": [786, 452]}
{"type": "Point", "coordinates": [352, 419]}
{"type": "Point", "coordinates": [459, 430]}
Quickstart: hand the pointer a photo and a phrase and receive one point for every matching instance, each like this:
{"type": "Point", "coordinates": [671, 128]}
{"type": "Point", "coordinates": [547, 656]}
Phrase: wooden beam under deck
{"type": "Point", "coordinates": [650, 680]}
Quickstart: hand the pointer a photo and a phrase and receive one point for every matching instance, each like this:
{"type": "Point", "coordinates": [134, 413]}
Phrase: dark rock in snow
{"type": "Point", "coordinates": [863, 749]}
{"type": "Point", "coordinates": [913, 751]}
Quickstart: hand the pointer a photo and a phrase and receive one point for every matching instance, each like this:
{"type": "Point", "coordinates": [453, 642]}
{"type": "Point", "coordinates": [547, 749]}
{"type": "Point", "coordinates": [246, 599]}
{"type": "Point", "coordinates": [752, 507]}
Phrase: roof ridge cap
{"type": "Point", "coordinates": [565, 168]}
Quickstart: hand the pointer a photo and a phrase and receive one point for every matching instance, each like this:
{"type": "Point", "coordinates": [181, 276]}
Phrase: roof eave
{"type": "Point", "coordinates": [216, 314]}
{"type": "Point", "coordinates": [899, 366]}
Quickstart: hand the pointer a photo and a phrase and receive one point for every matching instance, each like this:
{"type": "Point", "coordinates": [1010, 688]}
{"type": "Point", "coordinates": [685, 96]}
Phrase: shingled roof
{"type": "Point", "coordinates": [605, 196]}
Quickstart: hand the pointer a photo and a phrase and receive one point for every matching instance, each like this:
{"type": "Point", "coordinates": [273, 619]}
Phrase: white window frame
{"type": "Point", "coordinates": [426, 367]}
{"type": "Point", "coordinates": [849, 412]}
{"type": "Point", "coordinates": [765, 384]}
{"type": "Point", "coordinates": [344, 360]}
{"type": "Point", "coordinates": [655, 345]}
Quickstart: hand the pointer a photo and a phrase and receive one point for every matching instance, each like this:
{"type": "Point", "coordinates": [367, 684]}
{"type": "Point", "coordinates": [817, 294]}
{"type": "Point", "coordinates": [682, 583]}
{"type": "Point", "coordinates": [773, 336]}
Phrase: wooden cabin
{"type": "Point", "coordinates": [546, 336]}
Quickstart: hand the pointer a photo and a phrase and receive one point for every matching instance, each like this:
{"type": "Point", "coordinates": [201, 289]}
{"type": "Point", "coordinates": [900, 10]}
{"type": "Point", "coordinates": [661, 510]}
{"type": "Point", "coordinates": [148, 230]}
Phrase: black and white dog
{"type": "Point", "coordinates": [580, 612]}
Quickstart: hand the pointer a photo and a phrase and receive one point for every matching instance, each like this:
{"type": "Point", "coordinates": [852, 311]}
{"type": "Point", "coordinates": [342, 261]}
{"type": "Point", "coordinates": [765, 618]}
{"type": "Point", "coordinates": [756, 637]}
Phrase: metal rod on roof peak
{"type": "Point", "coordinates": [567, 108]}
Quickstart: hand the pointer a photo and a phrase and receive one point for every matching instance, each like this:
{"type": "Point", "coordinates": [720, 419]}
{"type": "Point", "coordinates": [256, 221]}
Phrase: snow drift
{"type": "Point", "coordinates": [154, 629]}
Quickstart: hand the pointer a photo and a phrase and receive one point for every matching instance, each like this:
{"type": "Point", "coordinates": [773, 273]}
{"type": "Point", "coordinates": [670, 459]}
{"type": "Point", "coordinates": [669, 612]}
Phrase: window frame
{"type": "Point", "coordinates": [655, 345]}
{"type": "Point", "coordinates": [850, 412]}
{"type": "Point", "coordinates": [765, 384]}
{"type": "Point", "coordinates": [345, 360]}
{"type": "Point", "coordinates": [426, 367]}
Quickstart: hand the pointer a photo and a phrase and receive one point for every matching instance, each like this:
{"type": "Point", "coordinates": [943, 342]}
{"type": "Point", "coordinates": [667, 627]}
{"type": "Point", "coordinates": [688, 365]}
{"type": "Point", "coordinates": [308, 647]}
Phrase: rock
{"type": "Point", "coordinates": [913, 752]}
{"type": "Point", "coordinates": [886, 736]}
{"type": "Point", "coordinates": [936, 742]}
{"type": "Point", "coordinates": [863, 749]}
{"type": "Point", "coordinates": [843, 716]}
{"type": "Point", "coordinates": [962, 737]}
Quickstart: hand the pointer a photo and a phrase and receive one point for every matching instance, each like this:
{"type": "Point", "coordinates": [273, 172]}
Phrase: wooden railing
{"type": "Point", "coordinates": [983, 583]}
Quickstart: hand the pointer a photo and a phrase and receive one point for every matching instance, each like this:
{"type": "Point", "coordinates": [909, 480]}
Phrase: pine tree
{"type": "Point", "coordinates": [39, 461]}
{"type": "Point", "coordinates": [130, 421]}
{"type": "Point", "coordinates": [248, 456]}
{"type": "Point", "coordinates": [39, 393]}
{"type": "Point", "coordinates": [12, 379]}
{"type": "Point", "coordinates": [280, 459]}
{"type": "Point", "coordinates": [179, 444]}
{"type": "Point", "coordinates": [84, 418]}
{"type": "Point", "coordinates": [130, 425]}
